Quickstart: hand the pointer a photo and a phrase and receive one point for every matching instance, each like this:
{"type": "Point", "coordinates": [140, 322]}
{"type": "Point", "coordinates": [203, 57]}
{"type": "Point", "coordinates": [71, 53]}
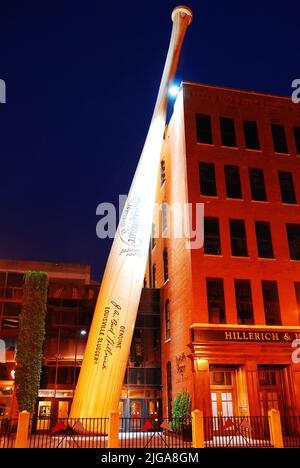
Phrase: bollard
{"type": "Point", "coordinates": [113, 430]}
{"type": "Point", "coordinates": [22, 431]}
{"type": "Point", "coordinates": [198, 429]}
{"type": "Point", "coordinates": [275, 428]}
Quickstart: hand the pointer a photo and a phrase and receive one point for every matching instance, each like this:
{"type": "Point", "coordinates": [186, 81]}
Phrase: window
{"type": "Point", "coordinates": [212, 243]}
{"type": "Point", "coordinates": [293, 234]}
{"type": "Point", "coordinates": [257, 183]}
{"type": "Point", "coordinates": [204, 133]}
{"type": "Point", "coordinates": [238, 238]}
{"type": "Point", "coordinates": [287, 187]}
{"type": "Point", "coordinates": [271, 302]}
{"type": "Point", "coordinates": [207, 179]}
{"type": "Point", "coordinates": [167, 320]}
{"type": "Point", "coordinates": [166, 269]}
{"type": "Point", "coordinates": [220, 377]}
{"type": "Point", "coordinates": [227, 131]}
{"type": "Point", "coordinates": [154, 276]}
{"type": "Point", "coordinates": [251, 135]}
{"type": "Point", "coordinates": [244, 305]}
{"type": "Point", "coordinates": [297, 138]}
{"type": "Point", "coordinates": [169, 389]}
{"type": "Point", "coordinates": [162, 172]}
{"type": "Point", "coordinates": [15, 280]}
{"type": "Point", "coordinates": [135, 376]}
{"type": "Point", "coordinates": [215, 300]}
{"type": "Point", "coordinates": [279, 139]}
{"type": "Point", "coordinates": [267, 377]}
{"type": "Point", "coordinates": [233, 182]}
{"type": "Point", "coordinates": [164, 207]}
{"type": "Point", "coordinates": [297, 291]}
{"type": "Point", "coordinates": [153, 240]}
{"type": "Point", "coordinates": [264, 239]}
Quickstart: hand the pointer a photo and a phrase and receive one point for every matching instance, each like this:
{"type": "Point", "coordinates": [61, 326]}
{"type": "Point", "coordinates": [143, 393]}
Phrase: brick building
{"type": "Point", "coordinates": [71, 301]}
{"type": "Point", "coordinates": [231, 309]}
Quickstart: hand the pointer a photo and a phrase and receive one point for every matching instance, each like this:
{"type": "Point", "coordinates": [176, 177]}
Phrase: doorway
{"type": "Point", "coordinates": [44, 413]}
{"type": "Point", "coordinates": [270, 389]}
{"type": "Point", "coordinates": [63, 409]}
{"type": "Point", "coordinates": [222, 391]}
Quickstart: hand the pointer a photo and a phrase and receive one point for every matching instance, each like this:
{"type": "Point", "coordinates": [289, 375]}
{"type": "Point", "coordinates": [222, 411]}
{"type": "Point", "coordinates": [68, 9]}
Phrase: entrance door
{"type": "Point", "coordinates": [44, 413]}
{"type": "Point", "coordinates": [270, 394]}
{"type": "Point", "coordinates": [135, 413]}
{"type": "Point", "coordinates": [63, 409]}
{"type": "Point", "coordinates": [222, 398]}
{"type": "Point", "coordinates": [222, 407]}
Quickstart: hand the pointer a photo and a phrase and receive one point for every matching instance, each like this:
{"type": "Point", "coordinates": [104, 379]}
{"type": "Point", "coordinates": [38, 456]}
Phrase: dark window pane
{"type": "Point", "coordinates": [287, 187]}
{"type": "Point", "coordinates": [279, 139]}
{"type": "Point", "coordinates": [166, 268]}
{"type": "Point", "coordinates": [12, 308]}
{"type": "Point", "coordinates": [15, 280]}
{"type": "Point", "coordinates": [251, 135]}
{"type": "Point", "coordinates": [244, 301]}
{"type": "Point", "coordinates": [162, 172]}
{"type": "Point", "coordinates": [2, 278]}
{"type": "Point", "coordinates": [233, 182]}
{"type": "Point", "coordinates": [238, 238]}
{"type": "Point", "coordinates": [297, 138]}
{"type": "Point", "coordinates": [168, 323]}
{"type": "Point", "coordinates": [207, 179]}
{"type": "Point", "coordinates": [212, 243]}
{"type": "Point", "coordinates": [204, 133]}
{"type": "Point", "coordinates": [293, 234]}
{"type": "Point", "coordinates": [227, 131]}
{"type": "Point", "coordinates": [215, 300]}
{"type": "Point", "coordinates": [271, 303]}
{"type": "Point", "coordinates": [264, 239]}
{"type": "Point", "coordinates": [257, 183]}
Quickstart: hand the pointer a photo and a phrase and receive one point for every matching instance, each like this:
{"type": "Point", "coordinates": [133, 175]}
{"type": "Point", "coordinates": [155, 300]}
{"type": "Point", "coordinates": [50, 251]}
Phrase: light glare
{"type": "Point", "coordinates": [173, 91]}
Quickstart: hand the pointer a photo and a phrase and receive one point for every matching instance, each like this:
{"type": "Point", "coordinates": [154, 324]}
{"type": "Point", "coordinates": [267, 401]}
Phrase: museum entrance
{"type": "Point", "coordinates": [223, 399]}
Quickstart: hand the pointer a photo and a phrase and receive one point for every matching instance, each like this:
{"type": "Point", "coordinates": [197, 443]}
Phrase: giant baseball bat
{"type": "Point", "coordinates": [105, 359]}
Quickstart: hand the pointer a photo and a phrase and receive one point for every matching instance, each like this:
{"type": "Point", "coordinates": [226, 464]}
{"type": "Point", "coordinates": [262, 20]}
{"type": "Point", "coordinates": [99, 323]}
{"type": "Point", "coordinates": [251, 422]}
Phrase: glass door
{"type": "Point", "coordinates": [135, 413]}
{"type": "Point", "coordinates": [222, 407]}
{"type": "Point", "coordinates": [222, 399]}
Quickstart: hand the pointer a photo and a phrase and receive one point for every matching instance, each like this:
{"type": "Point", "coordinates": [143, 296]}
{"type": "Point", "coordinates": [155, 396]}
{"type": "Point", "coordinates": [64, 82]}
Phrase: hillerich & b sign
{"type": "Point", "coordinates": [253, 335]}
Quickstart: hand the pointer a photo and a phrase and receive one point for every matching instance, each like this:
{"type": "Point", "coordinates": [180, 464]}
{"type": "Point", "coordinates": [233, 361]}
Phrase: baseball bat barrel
{"type": "Point", "coordinates": [106, 355]}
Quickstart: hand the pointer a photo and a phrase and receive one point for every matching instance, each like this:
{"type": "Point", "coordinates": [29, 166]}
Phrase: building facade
{"type": "Point", "coordinates": [230, 309]}
{"type": "Point", "coordinates": [70, 306]}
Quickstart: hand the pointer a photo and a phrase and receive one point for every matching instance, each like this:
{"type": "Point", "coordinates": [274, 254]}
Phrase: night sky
{"type": "Point", "coordinates": [82, 78]}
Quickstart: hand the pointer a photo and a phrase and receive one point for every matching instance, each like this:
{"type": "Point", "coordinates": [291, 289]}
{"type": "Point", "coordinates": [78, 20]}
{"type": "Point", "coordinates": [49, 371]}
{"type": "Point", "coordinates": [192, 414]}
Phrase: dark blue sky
{"type": "Point", "coordinates": [82, 78]}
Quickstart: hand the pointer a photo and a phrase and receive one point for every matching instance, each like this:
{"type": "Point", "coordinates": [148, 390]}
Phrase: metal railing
{"type": "Point", "coordinates": [68, 433]}
{"type": "Point", "coordinates": [291, 430]}
{"type": "Point", "coordinates": [155, 432]}
{"type": "Point", "coordinates": [237, 431]}
{"type": "Point", "coordinates": [8, 430]}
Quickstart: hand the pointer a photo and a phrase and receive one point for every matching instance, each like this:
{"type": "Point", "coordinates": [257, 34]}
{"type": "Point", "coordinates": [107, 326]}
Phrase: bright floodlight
{"type": "Point", "coordinates": [173, 90]}
{"type": "Point", "coordinates": [83, 332]}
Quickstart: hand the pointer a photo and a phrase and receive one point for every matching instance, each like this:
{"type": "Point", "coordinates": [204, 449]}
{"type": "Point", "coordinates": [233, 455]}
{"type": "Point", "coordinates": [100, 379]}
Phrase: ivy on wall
{"type": "Point", "coordinates": [29, 355]}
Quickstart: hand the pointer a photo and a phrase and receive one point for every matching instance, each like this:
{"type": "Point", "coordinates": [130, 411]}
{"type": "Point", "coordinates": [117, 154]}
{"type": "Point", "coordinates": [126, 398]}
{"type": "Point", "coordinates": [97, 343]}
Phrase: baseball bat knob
{"type": "Point", "coordinates": [184, 11]}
